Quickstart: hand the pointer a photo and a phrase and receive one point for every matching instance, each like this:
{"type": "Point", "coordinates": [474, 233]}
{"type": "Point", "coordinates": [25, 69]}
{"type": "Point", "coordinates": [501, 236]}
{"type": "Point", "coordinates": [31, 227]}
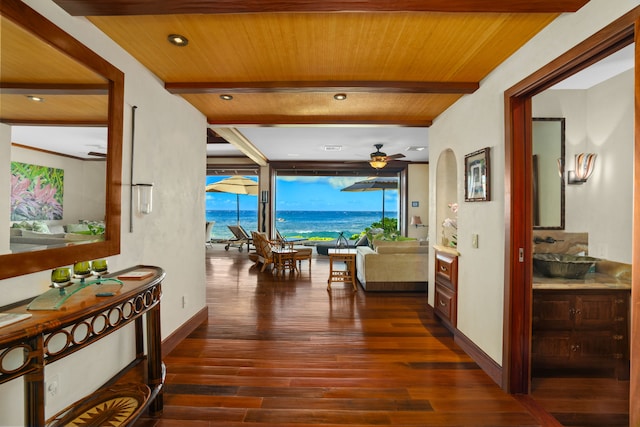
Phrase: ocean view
{"type": "Point", "coordinates": [303, 224]}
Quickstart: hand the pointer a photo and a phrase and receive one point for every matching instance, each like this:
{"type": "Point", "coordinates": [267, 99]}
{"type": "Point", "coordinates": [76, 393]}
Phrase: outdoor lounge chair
{"type": "Point", "coordinates": [281, 238]}
{"type": "Point", "coordinates": [207, 236]}
{"type": "Point", "coordinates": [240, 238]}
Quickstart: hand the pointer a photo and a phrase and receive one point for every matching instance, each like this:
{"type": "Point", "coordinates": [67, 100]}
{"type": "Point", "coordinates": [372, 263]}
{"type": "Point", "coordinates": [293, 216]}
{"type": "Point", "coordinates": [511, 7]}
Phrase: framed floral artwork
{"type": "Point", "coordinates": [477, 176]}
{"type": "Point", "coordinates": [36, 192]}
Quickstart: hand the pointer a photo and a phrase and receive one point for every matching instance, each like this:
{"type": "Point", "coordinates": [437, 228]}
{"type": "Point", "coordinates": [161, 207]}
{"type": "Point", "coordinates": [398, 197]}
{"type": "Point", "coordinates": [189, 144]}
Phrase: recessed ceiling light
{"type": "Point", "coordinates": [35, 98]}
{"type": "Point", "coordinates": [340, 96]}
{"type": "Point", "coordinates": [177, 40]}
{"type": "Point", "coordinates": [416, 148]}
{"type": "Point", "coordinates": [226, 97]}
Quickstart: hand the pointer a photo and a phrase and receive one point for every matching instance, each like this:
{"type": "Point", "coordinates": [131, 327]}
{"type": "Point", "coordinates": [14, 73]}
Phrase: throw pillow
{"type": "Point", "coordinates": [40, 227]}
{"type": "Point", "coordinates": [77, 228]}
{"type": "Point", "coordinates": [363, 241]}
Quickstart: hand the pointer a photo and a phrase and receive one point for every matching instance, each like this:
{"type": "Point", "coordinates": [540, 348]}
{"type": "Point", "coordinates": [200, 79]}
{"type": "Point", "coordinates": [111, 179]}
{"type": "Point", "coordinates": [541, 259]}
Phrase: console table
{"type": "Point", "coordinates": [83, 319]}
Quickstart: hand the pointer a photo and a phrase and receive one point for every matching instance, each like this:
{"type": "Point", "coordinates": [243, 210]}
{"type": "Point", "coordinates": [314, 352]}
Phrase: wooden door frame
{"type": "Point", "coordinates": [518, 201]}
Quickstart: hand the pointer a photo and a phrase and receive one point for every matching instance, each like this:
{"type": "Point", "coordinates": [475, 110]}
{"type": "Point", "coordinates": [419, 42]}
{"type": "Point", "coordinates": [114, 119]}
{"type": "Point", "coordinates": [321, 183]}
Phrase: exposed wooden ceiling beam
{"type": "Point", "coordinates": [322, 87]}
{"type": "Point", "coordinates": [236, 138]}
{"type": "Point", "coordinates": [54, 89]}
{"type": "Point", "coordinates": [154, 7]}
{"type": "Point", "coordinates": [53, 122]}
{"type": "Point", "coordinates": [270, 120]}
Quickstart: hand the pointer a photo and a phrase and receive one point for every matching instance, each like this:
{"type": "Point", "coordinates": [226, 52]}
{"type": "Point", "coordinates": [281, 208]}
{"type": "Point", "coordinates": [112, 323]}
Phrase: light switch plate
{"type": "Point", "coordinates": [474, 240]}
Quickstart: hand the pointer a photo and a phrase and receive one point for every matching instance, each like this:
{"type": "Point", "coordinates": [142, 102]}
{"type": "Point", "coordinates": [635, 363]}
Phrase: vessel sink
{"type": "Point", "coordinates": [563, 265]}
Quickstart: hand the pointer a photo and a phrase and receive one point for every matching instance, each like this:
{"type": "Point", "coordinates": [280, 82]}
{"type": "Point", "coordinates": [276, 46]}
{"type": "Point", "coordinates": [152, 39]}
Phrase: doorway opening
{"type": "Point", "coordinates": [519, 180]}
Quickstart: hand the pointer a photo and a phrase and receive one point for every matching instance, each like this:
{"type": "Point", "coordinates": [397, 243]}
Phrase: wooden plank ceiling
{"type": "Point", "coordinates": [71, 92]}
{"type": "Point", "coordinates": [398, 62]}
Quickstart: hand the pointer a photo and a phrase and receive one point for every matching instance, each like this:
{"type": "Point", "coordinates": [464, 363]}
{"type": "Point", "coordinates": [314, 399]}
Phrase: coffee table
{"type": "Point", "coordinates": [284, 259]}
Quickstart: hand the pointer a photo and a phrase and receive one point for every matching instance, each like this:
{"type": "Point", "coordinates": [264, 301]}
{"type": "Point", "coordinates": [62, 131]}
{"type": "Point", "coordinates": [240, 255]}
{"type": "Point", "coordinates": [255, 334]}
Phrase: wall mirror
{"type": "Point", "coordinates": [79, 89]}
{"type": "Point", "coordinates": [548, 183]}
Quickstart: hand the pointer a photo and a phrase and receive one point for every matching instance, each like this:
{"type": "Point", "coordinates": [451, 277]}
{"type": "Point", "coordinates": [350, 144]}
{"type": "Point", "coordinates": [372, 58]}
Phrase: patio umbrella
{"type": "Point", "coordinates": [235, 185]}
{"type": "Point", "coordinates": [375, 184]}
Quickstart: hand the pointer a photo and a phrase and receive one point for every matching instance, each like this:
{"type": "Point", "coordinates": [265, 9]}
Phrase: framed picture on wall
{"type": "Point", "coordinates": [477, 176]}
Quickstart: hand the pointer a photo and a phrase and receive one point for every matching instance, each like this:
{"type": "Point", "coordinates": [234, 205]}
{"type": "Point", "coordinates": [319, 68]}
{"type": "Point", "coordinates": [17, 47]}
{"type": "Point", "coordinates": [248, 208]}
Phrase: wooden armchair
{"type": "Point", "coordinates": [263, 250]}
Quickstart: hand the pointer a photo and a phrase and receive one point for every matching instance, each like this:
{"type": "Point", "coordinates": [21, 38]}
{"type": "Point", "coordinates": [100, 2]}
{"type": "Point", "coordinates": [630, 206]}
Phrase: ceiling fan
{"type": "Point", "coordinates": [96, 154]}
{"type": "Point", "coordinates": [380, 159]}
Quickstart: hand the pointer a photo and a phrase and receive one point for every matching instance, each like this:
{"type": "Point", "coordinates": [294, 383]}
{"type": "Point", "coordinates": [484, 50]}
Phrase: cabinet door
{"type": "Point", "coordinates": [595, 311]}
{"type": "Point", "coordinates": [595, 346]}
{"type": "Point", "coordinates": [553, 311]}
{"type": "Point", "coordinates": [445, 304]}
{"type": "Point", "coordinates": [551, 350]}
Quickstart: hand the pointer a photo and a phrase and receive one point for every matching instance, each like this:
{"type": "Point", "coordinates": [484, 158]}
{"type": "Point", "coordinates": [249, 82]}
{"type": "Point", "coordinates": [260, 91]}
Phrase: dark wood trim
{"type": "Point", "coordinates": [395, 286]}
{"type": "Point", "coordinates": [40, 122]}
{"type": "Point", "coordinates": [610, 39]}
{"type": "Point", "coordinates": [54, 89]}
{"type": "Point", "coordinates": [53, 153]}
{"type": "Point", "coordinates": [183, 331]}
{"type": "Point", "coordinates": [634, 385]}
{"type": "Point", "coordinates": [518, 230]}
{"type": "Point", "coordinates": [518, 191]}
{"type": "Point", "coordinates": [151, 7]}
{"type": "Point", "coordinates": [181, 88]}
{"type": "Point", "coordinates": [12, 265]}
{"type": "Point", "coordinates": [349, 167]}
{"type": "Point", "coordinates": [317, 120]}
{"type": "Point", "coordinates": [488, 365]}
{"type": "Point", "coordinates": [543, 417]}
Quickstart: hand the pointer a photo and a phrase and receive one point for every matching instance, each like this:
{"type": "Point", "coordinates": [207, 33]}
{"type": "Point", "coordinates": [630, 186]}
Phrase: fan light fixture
{"type": "Point", "coordinates": [378, 158]}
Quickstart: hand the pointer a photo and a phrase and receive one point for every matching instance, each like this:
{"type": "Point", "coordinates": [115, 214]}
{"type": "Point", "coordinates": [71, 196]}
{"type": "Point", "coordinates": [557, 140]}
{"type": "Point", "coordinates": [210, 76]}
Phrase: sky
{"type": "Point", "coordinates": [319, 193]}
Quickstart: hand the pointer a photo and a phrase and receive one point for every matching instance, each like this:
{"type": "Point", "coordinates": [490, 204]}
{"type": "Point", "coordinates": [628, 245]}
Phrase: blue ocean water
{"type": "Point", "coordinates": [303, 224]}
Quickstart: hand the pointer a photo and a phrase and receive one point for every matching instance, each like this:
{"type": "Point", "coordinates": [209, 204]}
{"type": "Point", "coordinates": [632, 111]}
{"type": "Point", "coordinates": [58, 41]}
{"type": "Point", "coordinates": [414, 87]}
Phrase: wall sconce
{"type": "Point", "coordinates": [585, 162]}
{"type": "Point", "coordinates": [415, 220]}
{"type": "Point", "coordinates": [145, 198]}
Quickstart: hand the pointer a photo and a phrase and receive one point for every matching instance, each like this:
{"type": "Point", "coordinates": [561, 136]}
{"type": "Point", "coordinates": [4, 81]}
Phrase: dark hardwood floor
{"type": "Point", "coordinates": [285, 352]}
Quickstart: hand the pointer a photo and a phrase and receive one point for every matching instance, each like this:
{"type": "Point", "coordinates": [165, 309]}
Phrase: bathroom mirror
{"type": "Point", "coordinates": [548, 184]}
{"type": "Point", "coordinates": [79, 89]}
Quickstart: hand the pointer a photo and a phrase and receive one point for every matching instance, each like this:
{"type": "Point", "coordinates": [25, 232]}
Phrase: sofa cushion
{"type": "Point", "coordinates": [56, 229]}
{"type": "Point", "coordinates": [29, 233]}
{"type": "Point", "coordinates": [40, 226]}
{"type": "Point", "coordinates": [394, 243]}
{"type": "Point", "coordinates": [77, 228]}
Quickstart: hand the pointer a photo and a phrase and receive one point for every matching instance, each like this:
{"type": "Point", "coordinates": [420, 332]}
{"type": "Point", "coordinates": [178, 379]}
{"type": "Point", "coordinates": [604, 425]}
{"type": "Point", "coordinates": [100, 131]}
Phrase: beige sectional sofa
{"type": "Point", "coordinates": [393, 266]}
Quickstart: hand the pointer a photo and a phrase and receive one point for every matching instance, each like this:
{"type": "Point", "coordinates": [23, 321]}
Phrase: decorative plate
{"type": "Point", "coordinates": [114, 406]}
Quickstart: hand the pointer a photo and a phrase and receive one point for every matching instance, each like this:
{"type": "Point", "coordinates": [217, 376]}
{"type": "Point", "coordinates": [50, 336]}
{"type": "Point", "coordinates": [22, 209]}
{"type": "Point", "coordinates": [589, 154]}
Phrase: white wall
{"type": "Point", "coordinates": [170, 152]}
{"type": "Point", "coordinates": [5, 192]}
{"type": "Point", "coordinates": [418, 186]}
{"type": "Point", "coordinates": [599, 120]}
{"type": "Point", "coordinates": [477, 121]}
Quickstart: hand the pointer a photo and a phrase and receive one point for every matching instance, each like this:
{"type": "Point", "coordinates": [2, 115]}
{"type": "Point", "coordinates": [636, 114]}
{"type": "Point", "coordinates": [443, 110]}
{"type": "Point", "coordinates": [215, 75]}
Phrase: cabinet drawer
{"type": "Point", "coordinates": [446, 269]}
{"type": "Point", "coordinates": [445, 304]}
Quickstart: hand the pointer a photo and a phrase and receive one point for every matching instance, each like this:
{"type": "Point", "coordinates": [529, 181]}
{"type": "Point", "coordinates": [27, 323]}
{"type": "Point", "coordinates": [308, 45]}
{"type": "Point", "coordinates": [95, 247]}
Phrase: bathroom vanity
{"type": "Point", "coordinates": [581, 326]}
